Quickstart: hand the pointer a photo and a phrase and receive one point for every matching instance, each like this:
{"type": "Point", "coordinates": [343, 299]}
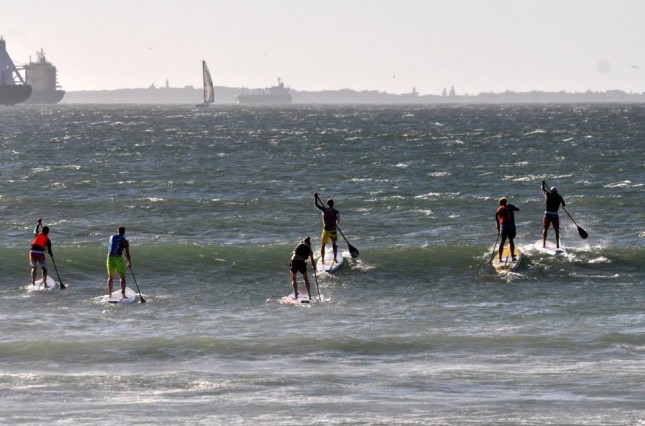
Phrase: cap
{"type": "Point", "coordinates": [502, 201]}
{"type": "Point", "coordinates": [554, 189]}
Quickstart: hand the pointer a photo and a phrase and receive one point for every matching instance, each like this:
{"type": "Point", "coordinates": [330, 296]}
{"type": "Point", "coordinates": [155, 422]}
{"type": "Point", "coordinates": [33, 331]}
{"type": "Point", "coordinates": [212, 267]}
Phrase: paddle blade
{"type": "Point", "coordinates": [352, 251]}
{"type": "Point", "coordinates": [583, 233]}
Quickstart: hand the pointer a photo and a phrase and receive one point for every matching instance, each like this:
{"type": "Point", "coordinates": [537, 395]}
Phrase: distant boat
{"type": "Point", "coordinates": [276, 95]}
{"type": "Point", "coordinates": [13, 88]}
{"type": "Point", "coordinates": [209, 93]}
{"type": "Point", "coordinates": [41, 76]}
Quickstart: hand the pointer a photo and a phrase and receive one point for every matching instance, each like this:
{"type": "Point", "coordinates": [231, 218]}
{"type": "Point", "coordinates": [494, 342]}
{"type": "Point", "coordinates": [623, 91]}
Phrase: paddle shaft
{"type": "Point", "coordinates": [494, 247]}
{"type": "Point", "coordinates": [60, 282]}
{"type": "Point", "coordinates": [353, 251]}
{"type": "Point", "coordinates": [316, 281]}
{"type": "Point", "coordinates": [137, 285]}
{"type": "Point", "coordinates": [583, 234]}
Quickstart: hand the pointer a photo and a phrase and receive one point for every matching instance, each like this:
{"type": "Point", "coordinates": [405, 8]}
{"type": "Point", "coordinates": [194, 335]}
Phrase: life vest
{"type": "Point", "coordinates": [117, 243]}
{"type": "Point", "coordinates": [40, 242]}
{"type": "Point", "coordinates": [505, 215]}
{"type": "Point", "coordinates": [502, 214]}
{"type": "Point", "coordinates": [329, 218]}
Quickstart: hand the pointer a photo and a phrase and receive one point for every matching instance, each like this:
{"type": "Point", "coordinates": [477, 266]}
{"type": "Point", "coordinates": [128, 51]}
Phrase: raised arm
{"type": "Point", "coordinates": [38, 226]}
{"type": "Point", "coordinates": [318, 203]}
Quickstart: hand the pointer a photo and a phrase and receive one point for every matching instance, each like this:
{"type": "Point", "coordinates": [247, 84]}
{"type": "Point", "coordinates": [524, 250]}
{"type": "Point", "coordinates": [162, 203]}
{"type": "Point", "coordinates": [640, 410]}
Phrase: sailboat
{"type": "Point", "coordinates": [209, 94]}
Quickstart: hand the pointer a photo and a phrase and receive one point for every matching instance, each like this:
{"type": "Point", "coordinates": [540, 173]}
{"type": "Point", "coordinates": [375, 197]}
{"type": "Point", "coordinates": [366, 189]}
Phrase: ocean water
{"type": "Point", "coordinates": [419, 329]}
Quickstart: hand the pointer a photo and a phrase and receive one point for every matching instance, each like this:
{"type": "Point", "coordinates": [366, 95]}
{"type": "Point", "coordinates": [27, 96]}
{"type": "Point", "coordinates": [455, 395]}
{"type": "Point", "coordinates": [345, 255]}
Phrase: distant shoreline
{"type": "Point", "coordinates": [227, 95]}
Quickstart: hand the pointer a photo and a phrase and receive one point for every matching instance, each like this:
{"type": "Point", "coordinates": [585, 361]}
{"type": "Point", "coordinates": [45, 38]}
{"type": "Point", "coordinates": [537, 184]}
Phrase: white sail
{"type": "Point", "coordinates": [209, 94]}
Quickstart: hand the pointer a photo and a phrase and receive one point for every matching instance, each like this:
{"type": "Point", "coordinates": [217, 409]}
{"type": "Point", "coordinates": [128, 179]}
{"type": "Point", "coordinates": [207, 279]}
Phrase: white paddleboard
{"type": "Point", "coordinates": [302, 299]}
{"type": "Point", "coordinates": [51, 285]}
{"type": "Point", "coordinates": [117, 297]}
{"type": "Point", "coordinates": [550, 248]}
{"type": "Point", "coordinates": [329, 265]}
{"type": "Point", "coordinates": [507, 264]}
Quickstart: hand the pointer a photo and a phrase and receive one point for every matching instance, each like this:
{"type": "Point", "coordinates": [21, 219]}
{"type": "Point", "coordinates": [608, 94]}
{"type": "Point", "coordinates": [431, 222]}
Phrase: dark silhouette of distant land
{"type": "Point", "coordinates": [228, 95]}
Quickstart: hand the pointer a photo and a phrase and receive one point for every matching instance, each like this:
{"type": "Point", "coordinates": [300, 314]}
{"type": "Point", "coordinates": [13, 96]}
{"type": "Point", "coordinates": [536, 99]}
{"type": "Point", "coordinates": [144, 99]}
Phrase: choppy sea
{"type": "Point", "coordinates": [419, 329]}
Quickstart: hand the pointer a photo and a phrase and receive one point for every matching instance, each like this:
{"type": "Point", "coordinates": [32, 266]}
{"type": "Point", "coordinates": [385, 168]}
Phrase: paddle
{"type": "Point", "coordinates": [494, 247]}
{"type": "Point", "coordinates": [135, 283]}
{"type": "Point", "coordinates": [352, 250]}
{"type": "Point", "coordinates": [582, 232]}
{"type": "Point", "coordinates": [60, 282]}
{"type": "Point", "coordinates": [316, 279]}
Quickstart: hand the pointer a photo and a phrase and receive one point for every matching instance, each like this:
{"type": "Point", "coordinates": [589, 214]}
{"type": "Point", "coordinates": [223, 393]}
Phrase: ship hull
{"type": "Point", "coordinates": [14, 94]}
{"type": "Point", "coordinates": [45, 97]}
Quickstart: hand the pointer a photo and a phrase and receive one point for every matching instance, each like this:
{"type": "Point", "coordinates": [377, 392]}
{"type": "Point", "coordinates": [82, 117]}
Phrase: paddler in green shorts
{"type": "Point", "coordinates": [118, 244]}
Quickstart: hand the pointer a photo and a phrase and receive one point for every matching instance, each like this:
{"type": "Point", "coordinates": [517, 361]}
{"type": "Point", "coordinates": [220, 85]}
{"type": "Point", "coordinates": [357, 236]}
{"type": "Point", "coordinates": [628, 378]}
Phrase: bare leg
{"type": "Point", "coordinates": [122, 286]}
{"type": "Point", "coordinates": [306, 278]}
{"type": "Point", "coordinates": [322, 254]}
{"type": "Point", "coordinates": [45, 278]}
{"type": "Point", "coordinates": [335, 247]}
{"type": "Point", "coordinates": [501, 248]}
{"type": "Point", "coordinates": [109, 285]}
{"type": "Point", "coordinates": [512, 244]}
{"type": "Point", "coordinates": [294, 284]}
{"type": "Point", "coordinates": [33, 276]}
{"type": "Point", "coordinates": [557, 237]}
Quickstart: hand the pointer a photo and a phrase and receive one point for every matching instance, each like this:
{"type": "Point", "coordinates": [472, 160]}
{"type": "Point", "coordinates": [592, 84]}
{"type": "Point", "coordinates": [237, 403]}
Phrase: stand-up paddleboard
{"type": "Point", "coordinates": [507, 264]}
{"type": "Point", "coordinates": [117, 297]}
{"type": "Point", "coordinates": [51, 285]}
{"type": "Point", "coordinates": [329, 265]}
{"type": "Point", "coordinates": [302, 299]}
{"type": "Point", "coordinates": [550, 248]}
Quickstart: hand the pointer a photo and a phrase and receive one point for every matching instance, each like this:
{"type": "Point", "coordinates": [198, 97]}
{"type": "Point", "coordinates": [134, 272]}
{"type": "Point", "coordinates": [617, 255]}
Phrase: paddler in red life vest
{"type": "Point", "coordinates": [298, 264]}
{"type": "Point", "coordinates": [331, 217]}
{"type": "Point", "coordinates": [553, 202]}
{"type": "Point", "coordinates": [118, 244]}
{"type": "Point", "coordinates": [39, 245]}
{"type": "Point", "coordinates": [505, 220]}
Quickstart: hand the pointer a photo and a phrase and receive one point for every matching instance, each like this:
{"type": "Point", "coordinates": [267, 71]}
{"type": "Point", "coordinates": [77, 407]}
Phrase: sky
{"type": "Point", "coordinates": [392, 46]}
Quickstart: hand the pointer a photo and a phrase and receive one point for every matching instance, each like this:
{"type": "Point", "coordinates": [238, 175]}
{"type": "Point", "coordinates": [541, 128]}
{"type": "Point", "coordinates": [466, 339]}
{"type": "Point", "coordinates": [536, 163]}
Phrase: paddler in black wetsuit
{"type": "Point", "coordinates": [553, 202]}
{"type": "Point", "coordinates": [298, 264]}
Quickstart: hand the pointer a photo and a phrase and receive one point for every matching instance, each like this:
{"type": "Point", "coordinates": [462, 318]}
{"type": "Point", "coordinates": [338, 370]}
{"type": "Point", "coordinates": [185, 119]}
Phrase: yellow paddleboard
{"type": "Point", "coordinates": [507, 264]}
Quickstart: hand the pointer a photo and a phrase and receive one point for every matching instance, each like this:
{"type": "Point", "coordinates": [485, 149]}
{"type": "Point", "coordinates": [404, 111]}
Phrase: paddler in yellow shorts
{"type": "Point", "coordinates": [331, 218]}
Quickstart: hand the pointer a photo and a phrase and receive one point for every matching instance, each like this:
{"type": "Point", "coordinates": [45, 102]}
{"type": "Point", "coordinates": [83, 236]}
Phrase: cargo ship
{"type": "Point", "coordinates": [41, 76]}
{"type": "Point", "coordinates": [13, 88]}
{"type": "Point", "coordinates": [275, 95]}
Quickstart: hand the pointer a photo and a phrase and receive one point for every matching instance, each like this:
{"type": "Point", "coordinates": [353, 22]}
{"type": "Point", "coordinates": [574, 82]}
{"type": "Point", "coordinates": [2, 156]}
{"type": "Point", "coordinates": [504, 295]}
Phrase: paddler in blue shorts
{"type": "Point", "coordinates": [115, 264]}
{"type": "Point", "coordinates": [331, 217]}
{"type": "Point", "coordinates": [505, 220]}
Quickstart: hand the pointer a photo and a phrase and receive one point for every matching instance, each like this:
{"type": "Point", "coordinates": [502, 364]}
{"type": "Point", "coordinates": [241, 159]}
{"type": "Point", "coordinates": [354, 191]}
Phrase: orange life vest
{"type": "Point", "coordinates": [40, 242]}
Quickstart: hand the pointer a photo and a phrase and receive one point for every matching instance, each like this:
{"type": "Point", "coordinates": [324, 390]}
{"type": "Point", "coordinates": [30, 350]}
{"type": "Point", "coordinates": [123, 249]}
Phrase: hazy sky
{"type": "Point", "coordinates": [388, 45]}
